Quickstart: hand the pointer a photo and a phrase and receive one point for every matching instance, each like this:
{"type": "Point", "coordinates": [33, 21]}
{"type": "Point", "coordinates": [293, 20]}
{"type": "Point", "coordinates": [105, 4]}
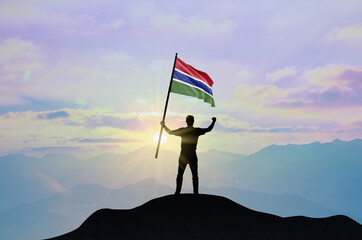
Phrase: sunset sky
{"type": "Point", "coordinates": [86, 77]}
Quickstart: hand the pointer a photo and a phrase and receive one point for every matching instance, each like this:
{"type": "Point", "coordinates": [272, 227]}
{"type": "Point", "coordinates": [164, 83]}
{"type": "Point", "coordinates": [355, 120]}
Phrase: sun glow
{"type": "Point", "coordinates": [163, 138]}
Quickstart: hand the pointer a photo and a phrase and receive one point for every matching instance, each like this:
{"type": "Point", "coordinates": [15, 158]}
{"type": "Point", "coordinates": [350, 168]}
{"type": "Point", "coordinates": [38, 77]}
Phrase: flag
{"type": "Point", "coordinates": [189, 81]}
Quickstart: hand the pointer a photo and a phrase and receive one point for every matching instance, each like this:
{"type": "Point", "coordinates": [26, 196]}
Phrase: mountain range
{"type": "Point", "coordinates": [313, 179]}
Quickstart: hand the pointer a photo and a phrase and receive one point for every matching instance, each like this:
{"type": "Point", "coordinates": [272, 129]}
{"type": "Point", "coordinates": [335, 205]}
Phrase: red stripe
{"type": "Point", "coordinates": [193, 72]}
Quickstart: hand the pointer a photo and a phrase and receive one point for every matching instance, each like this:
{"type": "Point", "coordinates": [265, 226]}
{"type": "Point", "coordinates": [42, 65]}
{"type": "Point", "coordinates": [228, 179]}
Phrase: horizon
{"type": "Point", "coordinates": [173, 151]}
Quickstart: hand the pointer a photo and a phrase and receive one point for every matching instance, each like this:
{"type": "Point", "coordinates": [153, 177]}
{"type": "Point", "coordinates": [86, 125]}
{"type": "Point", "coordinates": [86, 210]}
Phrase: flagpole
{"type": "Point", "coordinates": [166, 104]}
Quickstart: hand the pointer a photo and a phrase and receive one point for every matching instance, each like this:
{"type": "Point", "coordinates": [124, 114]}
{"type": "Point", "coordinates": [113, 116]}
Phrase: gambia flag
{"type": "Point", "coordinates": [191, 82]}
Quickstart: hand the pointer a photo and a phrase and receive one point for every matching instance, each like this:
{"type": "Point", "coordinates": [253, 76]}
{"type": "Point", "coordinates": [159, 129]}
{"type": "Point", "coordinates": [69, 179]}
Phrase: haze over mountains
{"type": "Point", "coordinates": [313, 179]}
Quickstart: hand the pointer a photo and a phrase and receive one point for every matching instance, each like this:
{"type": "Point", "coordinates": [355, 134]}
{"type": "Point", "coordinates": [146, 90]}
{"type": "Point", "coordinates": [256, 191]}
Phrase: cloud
{"type": "Point", "coordinates": [334, 75]}
{"type": "Point", "coordinates": [87, 82]}
{"type": "Point", "coordinates": [18, 14]}
{"type": "Point", "coordinates": [331, 86]}
{"type": "Point", "coordinates": [75, 130]}
{"type": "Point", "coordinates": [188, 26]}
{"type": "Point", "coordinates": [358, 124]}
{"type": "Point", "coordinates": [229, 124]}
{"type": "Point", "coordinates": [335, 85]}
{"type": "Point", "coordinates": [7, 98]}
{"type": "Point", "coordinates": [259, 129]}
{"type": "Point", "coordinates": [105, 140]}
{"type": "Point", "coordinates": [334, 96]}
{"type": "Point", "coordinates": [281, 74]}
{"type": "Point", "coordinates": [258, 94]}
{"type": "Point", "coordinates": [16, 49]}
{"type": "Point", "coordinates": [350, 33]}
{"type": "Point", "coordinates": [19, 62]}
{"type": "Point", "coordinates": [113, 121]}
{"type": "Point", "coordinates": [84, 152]}
{"type": "Point", "coordinates": [53, 115]}
{"type": "Point", "coordinates": [57, 20]}
{"type": "Point", "coordinates": [106, 118]}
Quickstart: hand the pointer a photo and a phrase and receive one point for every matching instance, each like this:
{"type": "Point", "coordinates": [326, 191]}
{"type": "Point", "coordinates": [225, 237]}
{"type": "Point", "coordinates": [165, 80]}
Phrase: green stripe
{"type": "Point", "coordinates": [187, 90]}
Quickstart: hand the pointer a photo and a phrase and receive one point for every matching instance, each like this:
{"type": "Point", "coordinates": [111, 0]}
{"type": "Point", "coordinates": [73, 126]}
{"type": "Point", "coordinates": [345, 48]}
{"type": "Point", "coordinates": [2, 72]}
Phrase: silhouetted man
{"type": "Point", "coordinates": [189, 137]}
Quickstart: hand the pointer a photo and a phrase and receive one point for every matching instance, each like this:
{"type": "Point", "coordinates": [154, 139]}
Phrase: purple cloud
{"type": "Point", "coordinates": [106, 140]}
{"type": "Point", "coordinates": [134, 123]}
{"type": "Point", "coordinates": [60, 148]}
{"type": "Point", "coordinates": [222, 128]}
{"type": "Point", "coordinates": [332, 86]}
{"type": "Point", "coordinates": [54, 115]}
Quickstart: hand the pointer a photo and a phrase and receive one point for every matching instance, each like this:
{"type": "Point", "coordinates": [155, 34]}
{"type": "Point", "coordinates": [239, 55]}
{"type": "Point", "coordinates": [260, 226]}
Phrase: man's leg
{"type": "Point", "coordinates": [181, 169]}
{"type": "Point", "coordinates": [195, 177]}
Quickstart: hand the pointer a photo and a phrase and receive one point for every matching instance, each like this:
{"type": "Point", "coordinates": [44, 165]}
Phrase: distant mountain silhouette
{"type": "Point", "coordinates": [65, 211]}
{"type": "Point", "coordinates": [302, 170]}
{"type": "Point", "coordinates": [326, 174]}
{"type": "Point", "coordinates": [207, 217]}
{"type": "Point", "coordinates": [306, 169]}
{"type": "Point", "coordinates": [283, 205]}
{"type": "Point", "coordinates": [26, 221]}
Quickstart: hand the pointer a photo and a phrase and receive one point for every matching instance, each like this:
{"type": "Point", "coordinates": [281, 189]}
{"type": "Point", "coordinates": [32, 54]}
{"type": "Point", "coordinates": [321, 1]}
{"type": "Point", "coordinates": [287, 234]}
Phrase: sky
{"type": "Point", "coordinates": [87, 77]}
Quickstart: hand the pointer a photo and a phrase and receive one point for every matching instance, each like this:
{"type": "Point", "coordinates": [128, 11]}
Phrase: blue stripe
{"type": "Point", "coordinates": [186, 79]}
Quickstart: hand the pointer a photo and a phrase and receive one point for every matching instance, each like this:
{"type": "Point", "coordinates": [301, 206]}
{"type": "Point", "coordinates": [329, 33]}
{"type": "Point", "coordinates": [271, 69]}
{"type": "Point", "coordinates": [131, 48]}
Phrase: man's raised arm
{"type": "Point", "coordinates": [211, 125]}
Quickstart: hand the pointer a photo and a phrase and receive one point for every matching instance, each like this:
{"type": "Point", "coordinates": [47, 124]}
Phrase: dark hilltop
{"type": "Point", "coordinates": [207, 217]}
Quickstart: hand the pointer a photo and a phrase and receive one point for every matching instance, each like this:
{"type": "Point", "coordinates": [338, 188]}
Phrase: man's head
{"type": "Point", "coordinates": [190, 120]}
